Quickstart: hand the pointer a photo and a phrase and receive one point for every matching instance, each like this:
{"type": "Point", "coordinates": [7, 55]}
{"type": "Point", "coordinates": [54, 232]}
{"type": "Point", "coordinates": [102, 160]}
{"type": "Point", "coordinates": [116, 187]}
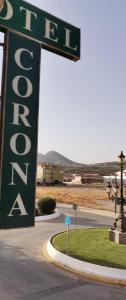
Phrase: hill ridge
{"type": "Point", "coordinates": [54, 157]}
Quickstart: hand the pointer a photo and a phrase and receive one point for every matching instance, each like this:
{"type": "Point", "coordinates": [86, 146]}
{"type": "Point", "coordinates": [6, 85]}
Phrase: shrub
{"type": "Point", "coordinates": [46, 205]}
{"type": "Point", "coordinates": [56, 181]}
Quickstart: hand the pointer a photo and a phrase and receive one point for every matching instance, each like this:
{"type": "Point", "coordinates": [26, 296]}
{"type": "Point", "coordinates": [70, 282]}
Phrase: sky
{"type": "Point", "coordinates": [83, 104]}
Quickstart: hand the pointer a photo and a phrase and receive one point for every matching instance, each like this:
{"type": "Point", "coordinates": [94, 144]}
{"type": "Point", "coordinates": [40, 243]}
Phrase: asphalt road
{"type": "Point", "coordinates": [25, 274]}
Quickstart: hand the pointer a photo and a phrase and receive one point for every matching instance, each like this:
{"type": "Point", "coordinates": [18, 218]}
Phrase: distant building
{"type": "Point", "coordinates": [83, 178]}
{"type": "Point", "coordinates": [48, 173]}
{"type": "Point", "coordinates": [67, 177]}
{"type": "Point", "coordinates": [92, 178]}
{"type": "Point", "coordinates": [39, 173]}
{"type": "Point", "coordinates": [76, 179]}
{"type": "Point", "coordinates": [116, 177]}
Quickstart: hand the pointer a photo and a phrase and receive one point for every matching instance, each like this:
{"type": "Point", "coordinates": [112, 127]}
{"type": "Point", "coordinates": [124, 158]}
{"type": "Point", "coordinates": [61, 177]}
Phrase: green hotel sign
{"type": "Point", "coordinates": [52, 33]}
{"type": "Point", "coordinates": [19, 139]}
{"type": "Point", "coordinates": [27, 30]}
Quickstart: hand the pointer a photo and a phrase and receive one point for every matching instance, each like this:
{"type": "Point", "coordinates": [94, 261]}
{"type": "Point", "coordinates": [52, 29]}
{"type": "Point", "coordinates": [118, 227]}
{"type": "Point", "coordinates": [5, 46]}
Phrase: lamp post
{"type": "Point", "coordinates": [120, 222]}
{"type": "Point", "coordinates": [113, 192]}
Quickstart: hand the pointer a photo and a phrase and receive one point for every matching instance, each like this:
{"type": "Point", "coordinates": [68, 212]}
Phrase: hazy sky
{"type": "Point", "coordinates": [83, 104]}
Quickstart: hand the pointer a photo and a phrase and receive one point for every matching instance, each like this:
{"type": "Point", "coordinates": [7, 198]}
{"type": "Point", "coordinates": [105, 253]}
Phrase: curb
{"type": "Point", "coordinates": [101, 212]}
{"type": "Point", "coordinates": [92, 271]}
{"type": "Point", "coordinates": [49, 217]}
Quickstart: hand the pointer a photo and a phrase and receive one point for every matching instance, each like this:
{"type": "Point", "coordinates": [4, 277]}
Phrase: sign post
{"type": "Point", "coordinates": [68, 223]}
{"type": "Point", "coordinates": [75, 215]}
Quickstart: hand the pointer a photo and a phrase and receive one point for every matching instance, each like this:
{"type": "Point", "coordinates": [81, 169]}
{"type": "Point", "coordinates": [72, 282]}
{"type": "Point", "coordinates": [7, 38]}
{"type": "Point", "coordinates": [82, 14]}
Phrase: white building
{"type": "Point", "coordinates": [115, 177]}
{"type": "Point", "coordinates": [76, 180]}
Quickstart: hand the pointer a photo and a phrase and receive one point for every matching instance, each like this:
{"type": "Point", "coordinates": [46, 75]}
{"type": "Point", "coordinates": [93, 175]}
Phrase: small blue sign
{"type": "Point", "coordinates": [67, 220]}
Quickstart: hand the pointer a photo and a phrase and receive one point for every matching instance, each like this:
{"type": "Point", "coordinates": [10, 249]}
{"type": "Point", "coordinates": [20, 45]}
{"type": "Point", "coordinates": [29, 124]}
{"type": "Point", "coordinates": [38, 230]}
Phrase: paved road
{"type": "Point", "coordinates": [25, 274]}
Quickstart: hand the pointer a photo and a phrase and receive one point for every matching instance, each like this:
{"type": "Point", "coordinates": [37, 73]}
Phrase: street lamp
{"type": "Point", "coordinates": [121, 222]}
{"type": "Point", "coordinates": [115, 193]}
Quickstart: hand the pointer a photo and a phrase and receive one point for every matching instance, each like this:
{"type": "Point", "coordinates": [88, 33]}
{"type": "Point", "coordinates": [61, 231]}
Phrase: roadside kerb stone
{"type": "Point", "coordinates": [48, 217]}
{"type": "Point", "coordinates": [101, 212]}
{"type": "Point", "coordinates": [107, 274]}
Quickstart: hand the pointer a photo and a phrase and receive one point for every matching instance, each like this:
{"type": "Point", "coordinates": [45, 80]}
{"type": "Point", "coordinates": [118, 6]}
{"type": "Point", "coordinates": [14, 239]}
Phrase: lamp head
{"type": "Point", "coordinates": [122, 158]}
{"type": "Point", "coordinates": [108, 188]}
{"type": "Point", "coordinates": [117, 188]}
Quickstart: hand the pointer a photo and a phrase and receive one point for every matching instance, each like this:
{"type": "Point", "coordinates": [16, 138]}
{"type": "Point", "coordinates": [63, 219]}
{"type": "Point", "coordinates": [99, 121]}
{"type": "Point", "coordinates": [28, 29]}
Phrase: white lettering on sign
{"type": "Point", "coordinates": [50, 30]}
{"type": "Point", "coordinates": [21, 115]}
{"type": "Point", "coordinates": [9, 13]}
{"type": "Point", "coordinates": [13, 143]}
{"type": "Point", "coordinates": [19, 139]}
{"type": "Point", "coordinates": [68, 39]}
{"type": "Point", "coordinates": [17, 115]}
{"type": "Point", "coordinates": [22, 175]}
{"type": "Point", "coordinates": [20, 207]}
{"type": "Point", "coordinates": [28, 15]}
{"type": "Point", "coordinates": [18, 58]}
{"type": "Point", "coordinates": [15, 85]}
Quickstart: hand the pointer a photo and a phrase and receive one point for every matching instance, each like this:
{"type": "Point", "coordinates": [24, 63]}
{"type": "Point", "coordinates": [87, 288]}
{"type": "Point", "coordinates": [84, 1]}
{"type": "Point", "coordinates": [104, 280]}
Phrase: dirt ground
{"type": "Point", "coordinates": [91, 196]}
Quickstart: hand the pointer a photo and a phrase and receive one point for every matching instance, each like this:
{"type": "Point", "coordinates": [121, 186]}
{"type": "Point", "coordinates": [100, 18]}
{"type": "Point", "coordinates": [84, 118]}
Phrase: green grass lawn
{"type": "Point", "coordinates": [92, 245]}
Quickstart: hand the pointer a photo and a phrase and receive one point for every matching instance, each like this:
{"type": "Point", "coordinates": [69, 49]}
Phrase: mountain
{"type": "Point", "coordinates": [56, 158]}
{"type": "Point", "coordinates": [41, 158]}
